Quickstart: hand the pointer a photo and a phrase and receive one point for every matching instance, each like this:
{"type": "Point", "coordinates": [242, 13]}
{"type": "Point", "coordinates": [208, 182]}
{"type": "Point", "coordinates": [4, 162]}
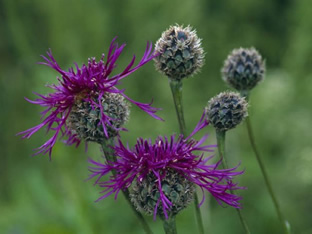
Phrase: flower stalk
{"type": "Point", "coordinates": [285, 224]}
{"type": "Point", "coordinates": [220, 135]}
{"type": "Point", "coordinates": [170, 225]}
{"type": "Point", "coordinates": [176, 89]}
{"type": "Point", "coordinates": [110, 157]}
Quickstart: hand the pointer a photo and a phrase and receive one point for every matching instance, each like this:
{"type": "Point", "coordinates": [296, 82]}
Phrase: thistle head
{"type": "Point", "coordinates": [162, 175]}
{"type": "Point", "coordinates": [177, 189]}
{"type": "Point", "coordinates": [226, 110]}
{"type": "Point", "coordinates": [243, 69]}
{"type": "Point", "coordinates": [84, 119]}
{"type": "Point", "coordinates": [86, 103]}
{"type": "Point", "coordinates": [180, 52]}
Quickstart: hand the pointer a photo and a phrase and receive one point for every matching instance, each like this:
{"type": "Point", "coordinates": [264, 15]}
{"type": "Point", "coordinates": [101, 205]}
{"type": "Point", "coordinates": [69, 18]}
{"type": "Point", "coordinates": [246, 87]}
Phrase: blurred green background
{"type": "Point", "coordinates": [42, 196]}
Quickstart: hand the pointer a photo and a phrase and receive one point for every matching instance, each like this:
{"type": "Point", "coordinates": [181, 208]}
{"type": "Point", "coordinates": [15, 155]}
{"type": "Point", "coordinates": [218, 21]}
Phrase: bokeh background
{"type": "Point", "coordinates": [42, 196]}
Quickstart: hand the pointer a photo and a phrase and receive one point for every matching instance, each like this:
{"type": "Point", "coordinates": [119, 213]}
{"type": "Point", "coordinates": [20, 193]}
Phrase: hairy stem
{"type": "Point", "coordinates": [176, 89]}
{"type": "Point", "coordinates": [110, 157]}
{"type": "Point", "coordinates": [221, 147]}
{"type": "Point", "coordinates": [170, 225]}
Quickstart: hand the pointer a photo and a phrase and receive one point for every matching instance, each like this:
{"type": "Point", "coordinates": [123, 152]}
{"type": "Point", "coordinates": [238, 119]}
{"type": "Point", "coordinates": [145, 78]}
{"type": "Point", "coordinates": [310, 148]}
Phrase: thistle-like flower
{"type": "Point", "coordinates": [86, 104]}
{"type": "Point", "coordinates": [226, 110]}
{"type": "Point", "coordinates": [162, 175]}
{"type": "Point", "coordinates": [180, 52]}
{"type": "Point", "coordinates": [243, 69]}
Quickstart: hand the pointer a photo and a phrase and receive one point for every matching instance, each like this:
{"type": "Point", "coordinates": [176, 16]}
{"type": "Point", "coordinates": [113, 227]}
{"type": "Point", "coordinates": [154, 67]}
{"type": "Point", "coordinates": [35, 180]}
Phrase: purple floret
{"type": "Point", "coordinates": [93, 79]}
{"type": "Point", "coordinates": [174, 153]}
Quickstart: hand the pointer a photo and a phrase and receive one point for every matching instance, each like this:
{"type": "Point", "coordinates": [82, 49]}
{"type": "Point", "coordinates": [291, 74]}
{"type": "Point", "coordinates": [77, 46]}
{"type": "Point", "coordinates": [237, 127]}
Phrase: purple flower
{"type": "Point", "coordinates": [176, 156]}
{"type": "Point", "coordinates": [88, 84]}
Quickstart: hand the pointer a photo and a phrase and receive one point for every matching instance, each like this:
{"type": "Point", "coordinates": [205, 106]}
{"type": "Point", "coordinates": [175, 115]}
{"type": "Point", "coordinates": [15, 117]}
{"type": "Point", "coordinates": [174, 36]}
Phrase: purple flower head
{"type": "Point", "coordinates": [86, 86]}
{"type": "Point", "coordinates": [167, 169]}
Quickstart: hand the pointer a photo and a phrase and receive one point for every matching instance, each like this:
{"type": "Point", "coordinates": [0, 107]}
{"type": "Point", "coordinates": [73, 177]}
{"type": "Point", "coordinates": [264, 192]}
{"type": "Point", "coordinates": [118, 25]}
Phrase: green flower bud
{"type": "Point", "coordinates": [226, 110]}
{"type": "Point", "coordinates": [243, 69]}
{"type": "Point", "coordinates": [180, 52]}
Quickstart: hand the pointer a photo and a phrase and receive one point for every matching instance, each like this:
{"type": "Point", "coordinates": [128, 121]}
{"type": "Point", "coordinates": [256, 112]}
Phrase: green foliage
{"type": "Point", "coordinates": [39, 196]}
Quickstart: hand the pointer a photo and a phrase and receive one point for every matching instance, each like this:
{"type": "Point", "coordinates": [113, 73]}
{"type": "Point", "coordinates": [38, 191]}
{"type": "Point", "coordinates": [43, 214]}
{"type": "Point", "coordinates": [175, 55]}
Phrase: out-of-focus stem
{"type": "Point", "coordinates": [285, 224]}
{"type": "Point", "coordinates": [110, 157]}
{"type": "Point", "coordinates": [221, 147]}
{"type": "Point", "coordinates": [176, 89]}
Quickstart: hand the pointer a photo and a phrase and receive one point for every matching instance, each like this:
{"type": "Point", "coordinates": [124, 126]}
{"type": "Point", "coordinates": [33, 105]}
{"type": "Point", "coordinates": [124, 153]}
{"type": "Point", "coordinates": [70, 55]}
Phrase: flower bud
{"type": "Point", "coordinates": [226, 110]}
{"type": "Point", "coordinates": [85, 120]}
{"type": "Point", "coordinates": [243, 69]}
{"type": "Point", "coordinates": [145, 194]}
{"type": "Point", "coordinates": [180, 52]}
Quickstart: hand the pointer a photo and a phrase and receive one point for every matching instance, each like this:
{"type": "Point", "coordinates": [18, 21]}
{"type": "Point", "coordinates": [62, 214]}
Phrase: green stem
{"type": "Point", "coordinates": [198, 215]}
{"type": "Point", "coordinates": [110, 157]}
{"type": "Point", "coordinates": [108, 151]}
{"type": "Point", "coordinates": [285, 224]}
{"type": "Point", "coordinates": [170, 225]}
{"type": "Point", "coordinates": [176, 89]}
{"type": "Point", "coordinates": [221, 147]}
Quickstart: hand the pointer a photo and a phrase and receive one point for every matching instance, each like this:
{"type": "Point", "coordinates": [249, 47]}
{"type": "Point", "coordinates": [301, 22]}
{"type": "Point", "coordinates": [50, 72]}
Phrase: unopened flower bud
{"type": "Point", "coordinates": [145, 194]}
{"type": "Point", "coordinates": [243, 69]}
{"type": "Point", "coordinates": [226, 110]}
{"type": "Point", "coordinates": [180, 52]}
{"type": "Point", "coordinates": [85, 120]}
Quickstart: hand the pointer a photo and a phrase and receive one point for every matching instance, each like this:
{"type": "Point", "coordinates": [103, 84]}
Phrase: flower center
{"type": "Point", "coordinates": [145, 195]}
{"type": "Point", "coordinates": [86, 119]}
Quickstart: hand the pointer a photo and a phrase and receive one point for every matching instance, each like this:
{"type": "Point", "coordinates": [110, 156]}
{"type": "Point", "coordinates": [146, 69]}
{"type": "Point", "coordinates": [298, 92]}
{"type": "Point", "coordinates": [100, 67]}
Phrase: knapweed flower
{"type": "Point", "coordinates": [161, 176]}
{"type": "Point", "coordinates": [180, 52]}
{"type": "Point", "coordinates": [86, 104]}
{"type": "Point", "coordinates": [243, 69]}
{"type": "Point", "coordinates": [226, 110]}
